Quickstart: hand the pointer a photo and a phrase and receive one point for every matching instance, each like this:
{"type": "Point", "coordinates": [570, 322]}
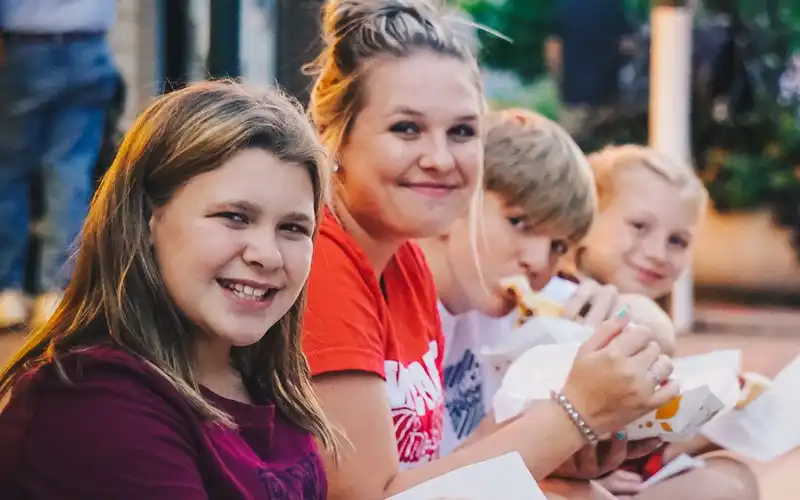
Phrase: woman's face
{"type": "Point", "coordinates": [234, 245]}
{"type": "Point", "coordinates": [412, 159]}
{"type": "Point", "coordinates": [507, 245]}
{"type": "Point", "coordinates": [642, 241]}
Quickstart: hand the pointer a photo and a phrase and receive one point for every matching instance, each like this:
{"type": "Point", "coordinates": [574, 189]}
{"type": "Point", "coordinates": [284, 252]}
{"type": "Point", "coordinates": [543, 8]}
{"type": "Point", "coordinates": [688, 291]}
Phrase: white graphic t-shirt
{"type": "Point", "coordinates": [467, 393]}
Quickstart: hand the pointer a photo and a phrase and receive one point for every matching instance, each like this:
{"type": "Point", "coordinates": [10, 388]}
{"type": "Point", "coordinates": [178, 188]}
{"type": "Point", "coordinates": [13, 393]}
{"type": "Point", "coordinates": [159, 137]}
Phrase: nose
{"type": "Point", "coordinates": [437, 156]}
{"type": "Point", "coordinates": [262, 251]}
{"type": "Point", "coordinates": [655, 247]}
{"type": "Point", "coordinates": [536, 256]}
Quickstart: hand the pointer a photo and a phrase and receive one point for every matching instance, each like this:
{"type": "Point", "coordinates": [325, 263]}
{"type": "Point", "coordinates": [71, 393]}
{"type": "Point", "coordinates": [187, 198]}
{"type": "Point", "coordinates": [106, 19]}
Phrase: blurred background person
{"type": "Point", "coordinates": [584, 55]}
{"type": "Point", "coordinates": [57, 78]}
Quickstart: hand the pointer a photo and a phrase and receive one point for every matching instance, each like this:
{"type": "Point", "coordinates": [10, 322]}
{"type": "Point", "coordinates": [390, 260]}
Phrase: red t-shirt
{"type": "Point", "coordinates": [120, 431]}
{"type": "Point", "coordinates": [350, 325]}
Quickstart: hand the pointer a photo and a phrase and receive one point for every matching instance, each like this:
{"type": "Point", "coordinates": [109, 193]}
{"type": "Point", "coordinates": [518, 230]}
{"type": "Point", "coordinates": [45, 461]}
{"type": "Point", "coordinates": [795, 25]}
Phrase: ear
{"type": "Point", "coordinates": [152, 225]}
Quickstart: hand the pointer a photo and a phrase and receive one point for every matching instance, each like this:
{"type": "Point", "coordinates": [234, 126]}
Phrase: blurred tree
{"type": "Point", "coordinates": [746, 134]}
{"type": "Point", "coordinates": [525, 22]}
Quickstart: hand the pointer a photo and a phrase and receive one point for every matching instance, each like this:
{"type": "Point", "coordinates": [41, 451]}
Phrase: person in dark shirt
{"type": "Point", "coordinates": [172, 368]}
{"type": "Point", "coordinates": [584, 54]}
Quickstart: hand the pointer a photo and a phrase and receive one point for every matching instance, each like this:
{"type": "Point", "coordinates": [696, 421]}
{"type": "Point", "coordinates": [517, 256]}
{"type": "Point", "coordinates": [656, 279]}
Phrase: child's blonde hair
{"type": "Point", "coordinates": [609, 163]}
{"type": "Point", "coordinates": [533, 163]}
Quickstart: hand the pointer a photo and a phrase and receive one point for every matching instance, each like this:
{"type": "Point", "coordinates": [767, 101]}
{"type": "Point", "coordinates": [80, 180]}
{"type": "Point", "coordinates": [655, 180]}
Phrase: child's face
{"type": "Point", "coordinates": [507, 246]}
{"type": "Point", "coordinates": [642, 241]}
{"type": "Point", "coordinates": [234, 245]}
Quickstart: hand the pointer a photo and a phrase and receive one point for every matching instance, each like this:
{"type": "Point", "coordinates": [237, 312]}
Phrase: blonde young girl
{"type": "Point", "coordinates": [172, 368]}
{"type": "Point", "coordinates": [398, 101]}
{"type": "Point", "coordinates": [650, 208]}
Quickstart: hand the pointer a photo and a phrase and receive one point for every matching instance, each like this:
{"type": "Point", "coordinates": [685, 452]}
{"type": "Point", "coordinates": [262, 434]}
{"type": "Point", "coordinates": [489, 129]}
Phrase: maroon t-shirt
{"type": "Point", "coordinates": [121, 431]}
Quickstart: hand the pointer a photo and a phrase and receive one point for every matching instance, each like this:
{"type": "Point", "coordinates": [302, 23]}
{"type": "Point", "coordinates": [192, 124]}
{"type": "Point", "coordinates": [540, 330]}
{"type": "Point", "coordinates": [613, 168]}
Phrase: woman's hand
{"type": "Point", "coordinates": [594, 461]}
{"type": "Point", "coordinates": [643, 447]}
{"type": "Point", "coordinates": [592, 303]}
{"type": "Point", "coordinates": [617, 375]}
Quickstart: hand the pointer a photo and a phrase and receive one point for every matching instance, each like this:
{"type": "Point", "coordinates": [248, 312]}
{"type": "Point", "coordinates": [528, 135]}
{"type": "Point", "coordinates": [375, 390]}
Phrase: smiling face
{"type": "Point", "coordinates": [508, 245]}
{"type": "Point", "coordinates": [234, 246]}
{"type": "Point", "coordinates": [411, 162]}
{"type": "Point", "coordinates": [641, 241]}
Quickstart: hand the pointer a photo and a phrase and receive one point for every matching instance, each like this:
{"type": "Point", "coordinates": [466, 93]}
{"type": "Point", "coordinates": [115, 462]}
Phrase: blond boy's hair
{"type": "Point", "coordinates": [533, 163]}
{"type": "Point", "coordinates": [609, 163]}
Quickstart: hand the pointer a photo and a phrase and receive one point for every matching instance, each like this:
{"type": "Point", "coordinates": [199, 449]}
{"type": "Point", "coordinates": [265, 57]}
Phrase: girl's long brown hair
{"type": "Point", "coordinates": [116, 291]}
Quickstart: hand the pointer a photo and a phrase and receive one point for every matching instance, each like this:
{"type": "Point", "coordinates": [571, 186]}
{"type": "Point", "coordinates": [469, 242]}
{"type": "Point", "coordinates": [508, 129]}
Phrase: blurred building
{"type": "Point", "coordinates": [151, 34]}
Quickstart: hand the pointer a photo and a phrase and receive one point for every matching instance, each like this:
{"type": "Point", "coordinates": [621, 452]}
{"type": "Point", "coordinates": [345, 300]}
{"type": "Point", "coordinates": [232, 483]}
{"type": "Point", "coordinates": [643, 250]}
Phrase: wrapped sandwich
{"type": "Point", "coordinates": [545, 303]}
{"type": "Point", "coordinates": [752, 385]}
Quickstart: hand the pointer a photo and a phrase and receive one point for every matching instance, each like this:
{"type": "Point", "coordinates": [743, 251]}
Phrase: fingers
{"type": "Point", "coordinates": [661, 369]}
{"type": "Point", "coordinates": [580, 299]}
{"type": "Point", "coordinates": [646, 358]}
{"type": "Point", "coordinates": [602, 306]}
{"type": "Point", "coordinates": [664, 394]}
{"type": "Point", "coordinates": [593, 301]}
{"type": "Point", "coordinates": [643, 447]}
{"type": "Point", "coordinates": [586, 462]}
{"type": "Point", "coordinates": [607, 332]}
{"type": "Point", "coordinates": [622, 483]}
{"type": "Point", "coordinates": [632, 340]}
{"type": "Point", "coordinates": [613, 458]}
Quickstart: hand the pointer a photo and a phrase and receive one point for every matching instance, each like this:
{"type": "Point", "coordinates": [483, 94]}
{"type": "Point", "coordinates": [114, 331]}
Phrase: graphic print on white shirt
{"type": "Point", "coordinates": [466, 393]}
{"type": "Point", "coordinates": [463, 393]}
{"type": "Point", "coordinates": [415, 397]}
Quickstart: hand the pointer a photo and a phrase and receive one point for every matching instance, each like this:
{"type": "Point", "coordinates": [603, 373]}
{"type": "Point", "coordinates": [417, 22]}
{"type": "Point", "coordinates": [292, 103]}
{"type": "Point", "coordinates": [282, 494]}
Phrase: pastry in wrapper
{"type": "Point", "coordinates": [644, 311]}
{"type": "Point", "coordinates": [530, 303]}
{"type": "Point", "coordinates": [753, 385]}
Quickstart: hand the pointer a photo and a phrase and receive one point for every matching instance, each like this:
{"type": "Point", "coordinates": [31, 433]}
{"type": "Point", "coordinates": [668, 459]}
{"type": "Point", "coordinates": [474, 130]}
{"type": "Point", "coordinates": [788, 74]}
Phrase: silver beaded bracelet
{"type": "Point", "coordinates": [588, 434]}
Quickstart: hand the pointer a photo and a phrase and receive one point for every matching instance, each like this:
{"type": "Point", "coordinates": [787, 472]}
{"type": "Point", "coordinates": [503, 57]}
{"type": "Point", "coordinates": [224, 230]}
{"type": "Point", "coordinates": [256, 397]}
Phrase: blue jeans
{"type": "Point", "coordinates": [53, 102]}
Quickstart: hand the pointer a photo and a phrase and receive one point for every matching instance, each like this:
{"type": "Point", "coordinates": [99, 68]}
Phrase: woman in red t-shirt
{"type": "Point", "coordinates": [172, 368]}
{"type": "Point", "coordinates": [398, 102]}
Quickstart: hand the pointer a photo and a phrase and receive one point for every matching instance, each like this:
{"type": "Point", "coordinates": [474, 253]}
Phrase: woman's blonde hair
{"type": "Point", "coordinates": [533, 163]}
{"type": "Point", "coordinates": [609, 163]}
{"type": "Point", "coordinates": [357, 32]}
{"type": "Point", "coordinates": [117, 291]}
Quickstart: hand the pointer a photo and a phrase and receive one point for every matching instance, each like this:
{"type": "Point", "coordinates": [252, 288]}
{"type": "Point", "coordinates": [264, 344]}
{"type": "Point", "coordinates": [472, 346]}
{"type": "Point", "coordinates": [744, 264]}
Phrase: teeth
{"type": "Point", "coordinates": [246, 292]}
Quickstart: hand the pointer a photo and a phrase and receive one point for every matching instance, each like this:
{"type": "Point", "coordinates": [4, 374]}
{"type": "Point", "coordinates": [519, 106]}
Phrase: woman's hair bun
{"type": "Point", "coordinates": [343, 16]}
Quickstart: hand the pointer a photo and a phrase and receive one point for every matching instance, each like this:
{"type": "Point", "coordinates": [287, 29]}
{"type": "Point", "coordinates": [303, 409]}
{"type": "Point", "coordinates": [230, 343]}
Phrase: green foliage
{"type": "Point", "coordinates": [541, 96]}
{"type": "Point", "coordinates": [526, 22]}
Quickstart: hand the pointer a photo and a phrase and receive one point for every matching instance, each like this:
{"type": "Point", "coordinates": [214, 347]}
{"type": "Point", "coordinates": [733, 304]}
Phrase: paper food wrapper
{"type": "Point", "coordinates": [503, 477]}
{"type": "Point", "coordinates": [709, 385]}
{"type": "Point", "coordinates": [538, 331]}
{"type": "Point", "coordinates": [767, 428]}
{"type": "Point", "coordinates": [678, 465]}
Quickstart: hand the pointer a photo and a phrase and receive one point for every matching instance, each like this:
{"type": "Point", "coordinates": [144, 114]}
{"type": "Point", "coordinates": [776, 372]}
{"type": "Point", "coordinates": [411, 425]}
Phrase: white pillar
{"type": "Point", "coordinates": [670, 100]}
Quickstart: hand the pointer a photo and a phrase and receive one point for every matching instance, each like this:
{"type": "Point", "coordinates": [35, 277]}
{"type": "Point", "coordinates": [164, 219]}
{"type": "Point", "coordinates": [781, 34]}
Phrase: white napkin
{"type": "Point", "coordinates": [503, 477]}
{"type": "Point", "coordinates": [768, 427]}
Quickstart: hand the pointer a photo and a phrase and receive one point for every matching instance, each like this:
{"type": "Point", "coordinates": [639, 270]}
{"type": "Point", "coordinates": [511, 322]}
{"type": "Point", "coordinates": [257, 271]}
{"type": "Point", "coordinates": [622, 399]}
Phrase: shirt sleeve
{"type": "Point", "coordinates": [343, 329]}
{"type": "Point", "coordinates": [108, 437]}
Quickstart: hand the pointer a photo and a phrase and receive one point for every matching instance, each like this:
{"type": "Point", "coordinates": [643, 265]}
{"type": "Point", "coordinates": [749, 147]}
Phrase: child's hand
{"type": "Point", "coordinates": [643, 447]}
{"type": "Point", "coordinates": [593, 302]}
{"type": "Point", "coordinates": [623, 484]}
{"type": "Point", "coordinates": [594, 461]}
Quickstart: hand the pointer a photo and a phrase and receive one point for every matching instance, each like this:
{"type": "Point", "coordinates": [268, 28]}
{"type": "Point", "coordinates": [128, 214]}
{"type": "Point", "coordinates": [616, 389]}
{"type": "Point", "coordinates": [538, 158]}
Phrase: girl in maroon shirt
{"type": "Point", "coordinates": [172, 368]}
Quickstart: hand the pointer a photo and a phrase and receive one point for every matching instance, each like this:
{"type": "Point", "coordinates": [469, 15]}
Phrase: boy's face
{"type": "Point", "coordinates": [642, 241]}
{"type": "Point", "coordinates": [507, 246]}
